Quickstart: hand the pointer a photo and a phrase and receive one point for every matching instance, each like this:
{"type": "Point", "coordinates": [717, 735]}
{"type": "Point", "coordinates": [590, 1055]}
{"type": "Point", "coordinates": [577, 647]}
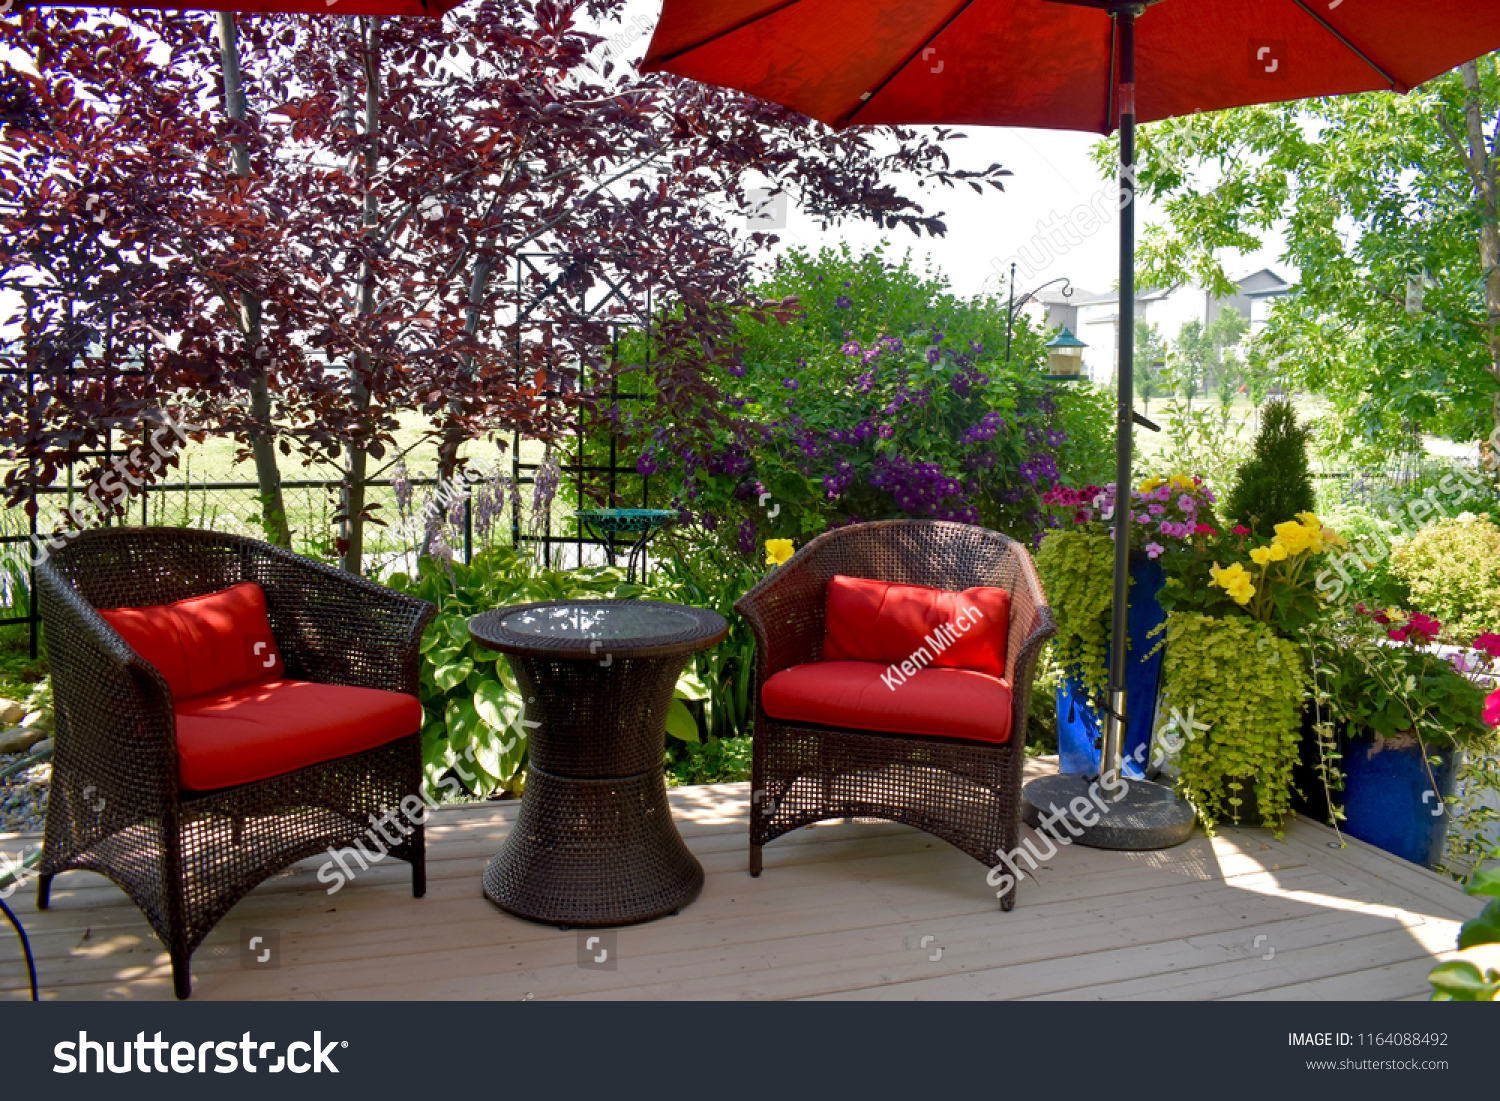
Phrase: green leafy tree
{"type": "Point", "coordinates": [1275, 483]}
{"type": "Point", "coordinates": [1189, 359]}
{"type": "Point", "coordinates": [1368, 193]}
{"type": "Point", "coordinates": [1151, 359]}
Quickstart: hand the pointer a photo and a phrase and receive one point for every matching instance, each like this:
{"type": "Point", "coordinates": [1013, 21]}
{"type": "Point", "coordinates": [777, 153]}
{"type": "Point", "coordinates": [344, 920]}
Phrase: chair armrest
{"type": "Point", "coordinates": [1031, 627]}
{"type": "Point", "coordinates": [334, 628]}
{"type": "Point", "coordinates": [785, 613]}
{"type": "Point", "coordinates": [115, 756]}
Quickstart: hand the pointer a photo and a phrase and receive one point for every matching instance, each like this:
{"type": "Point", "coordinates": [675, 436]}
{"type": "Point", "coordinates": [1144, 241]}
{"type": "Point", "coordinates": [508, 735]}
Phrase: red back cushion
{"type": "Point", "coordinates": [205, 643]}
{"type": "Point", "coordinates": [885, 622]}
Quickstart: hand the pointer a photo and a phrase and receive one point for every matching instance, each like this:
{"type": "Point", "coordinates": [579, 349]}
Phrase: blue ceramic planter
{"type": "Point", "coordinates": [1078, 729]}
{"type": "Point", "coordinates": [1389, 799]}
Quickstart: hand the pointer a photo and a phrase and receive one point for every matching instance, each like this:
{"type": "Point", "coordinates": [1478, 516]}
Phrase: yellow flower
{"type": "Point", "coordinates": [1234, 579]}
{"type": "Point", "coordinates": [1294, 537]}
{"type": "Point", "coordinates": [778, 551]}
{"type": "Point", "coordinates": [1310, 519]}
{"type": "Point", "coordinates": [1183, 482]}
{"type": "Point", "coordinates": [1260, 555]}
{"type": "Point", "coordinates": [1150, 484]}
{"type": "Point", "coordinates": [1277, 552]}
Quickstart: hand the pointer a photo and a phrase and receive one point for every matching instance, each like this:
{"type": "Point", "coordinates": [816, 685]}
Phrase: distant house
{"type": "Point", "coordinates": [1052, 309]}
{"type": "Point", "coordinates": [1098, 316]}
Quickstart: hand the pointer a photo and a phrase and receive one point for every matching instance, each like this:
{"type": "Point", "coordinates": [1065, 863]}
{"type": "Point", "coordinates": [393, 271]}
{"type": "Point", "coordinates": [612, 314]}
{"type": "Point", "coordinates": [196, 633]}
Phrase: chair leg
{"type": "Point", "coordinates": [754, 859]}
{"type": "Point", "coordinates": [1008, 902]}
{"type": "Point", "coordinates": [417, 850]}
{"type": "Point", "coordinates": [182, 977]}
{"type": "Point", "coordinates": [43, 891]}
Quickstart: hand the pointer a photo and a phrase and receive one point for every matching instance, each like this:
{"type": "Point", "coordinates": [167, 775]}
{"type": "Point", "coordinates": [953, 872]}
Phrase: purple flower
{"type": "Point", "coordinates": [646, 463]}
{"type": "Point", "coordinates": [790, 383]}
{"type": "Point", "coordinates": [1153, 550]}
{"type": "Point", "coordinates": [842, 302]}
{"type": "Point", "coordinates": [933, 355]}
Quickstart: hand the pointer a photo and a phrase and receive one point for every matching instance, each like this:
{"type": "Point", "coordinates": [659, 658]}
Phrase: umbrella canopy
{"type": "Point", "coordinates": [1070, 65]}
{"type": "Point", "coordinates": [1052, 63]}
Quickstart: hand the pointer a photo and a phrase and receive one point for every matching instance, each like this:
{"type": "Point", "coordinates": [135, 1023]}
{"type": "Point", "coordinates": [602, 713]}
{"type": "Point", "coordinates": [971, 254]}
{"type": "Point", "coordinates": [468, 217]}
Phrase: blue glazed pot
{"type": "Point", "coordinates": [1078, 727]}
{"type": "Point", "coordinates": [1389, 799]}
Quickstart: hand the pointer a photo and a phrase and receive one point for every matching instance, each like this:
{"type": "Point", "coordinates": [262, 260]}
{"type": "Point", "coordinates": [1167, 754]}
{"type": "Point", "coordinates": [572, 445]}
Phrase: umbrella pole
{"type": "Point", "coordinates": [1114, 728]}
{"type": "Point", "coordinates": [1115, 813]}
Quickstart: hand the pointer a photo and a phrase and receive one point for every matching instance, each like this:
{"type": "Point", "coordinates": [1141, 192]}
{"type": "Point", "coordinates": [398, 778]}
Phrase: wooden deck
{"type": "Point", "coordinates": [843, 910]}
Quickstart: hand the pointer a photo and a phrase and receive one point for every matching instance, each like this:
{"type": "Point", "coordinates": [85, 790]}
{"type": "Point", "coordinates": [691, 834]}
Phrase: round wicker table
{"type": "Point", "coordinates": [594, 843]}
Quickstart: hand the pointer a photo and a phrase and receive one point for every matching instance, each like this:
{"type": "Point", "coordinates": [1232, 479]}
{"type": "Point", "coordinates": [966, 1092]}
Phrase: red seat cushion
{"type": "Point", "coordinates": [204, 644]}
{"type": "Point", "coordinates": [889, 623]}
{"type": "Point", "coordinates": [860, 695]}
{"type": "Point", "coordinates": [257, 731]}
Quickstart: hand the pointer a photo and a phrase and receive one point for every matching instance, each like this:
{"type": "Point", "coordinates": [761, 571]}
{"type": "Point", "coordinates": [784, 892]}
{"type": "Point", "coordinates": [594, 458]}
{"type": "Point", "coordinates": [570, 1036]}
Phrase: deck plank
{"type": "Point", "coordinates": [840, 912]}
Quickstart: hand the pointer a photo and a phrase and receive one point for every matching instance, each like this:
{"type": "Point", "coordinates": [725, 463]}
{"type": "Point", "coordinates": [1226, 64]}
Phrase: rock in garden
{"type": "Point", "coordinates": [20, 739]}
{"type": "Point", "coordinates": [11, 713]}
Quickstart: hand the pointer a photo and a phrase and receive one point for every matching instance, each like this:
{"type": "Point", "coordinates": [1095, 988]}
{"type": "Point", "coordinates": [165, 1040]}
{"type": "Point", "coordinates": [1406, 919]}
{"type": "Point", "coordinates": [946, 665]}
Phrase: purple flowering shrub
{"type": "Point", "coordinates": [880, 396]}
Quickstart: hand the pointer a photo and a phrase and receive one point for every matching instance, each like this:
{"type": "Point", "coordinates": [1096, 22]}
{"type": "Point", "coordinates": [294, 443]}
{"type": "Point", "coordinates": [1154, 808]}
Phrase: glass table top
{"type": "Point", "coordinates": [601, 621]}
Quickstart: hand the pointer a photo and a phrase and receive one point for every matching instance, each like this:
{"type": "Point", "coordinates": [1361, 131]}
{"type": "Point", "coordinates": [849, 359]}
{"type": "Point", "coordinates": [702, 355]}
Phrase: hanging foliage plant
{"type": "Point", "coordinates": [1233, 691]}
{"type": "Point", "coordinates": [1077, 573]}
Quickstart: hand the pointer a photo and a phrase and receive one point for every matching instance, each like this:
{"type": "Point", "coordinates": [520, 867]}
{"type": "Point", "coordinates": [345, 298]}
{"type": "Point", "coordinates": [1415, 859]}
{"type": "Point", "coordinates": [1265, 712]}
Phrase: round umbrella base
{"type": "Point", "coordinates": [1150, 816]}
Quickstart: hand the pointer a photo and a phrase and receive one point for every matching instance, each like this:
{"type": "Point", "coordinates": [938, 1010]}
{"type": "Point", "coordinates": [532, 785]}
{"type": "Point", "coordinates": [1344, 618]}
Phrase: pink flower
{"type": "Point", "coordinates": [1397, 634]}
{"type": "Point", "coordinates": [1187, 504]}
{"type": "Point", "coordinates": [1492, 708]}
{"type": "Point", "coordinates": [1156, 510]}
{"type": "Point", "coordinates": [1083, 516]}
{"type": "Point", "coordinates": [1240, 529]}
{"type": "Point", "coordinates": [1381, 618]}
{"type": "Point", "coordinates": [1489, 643]}
{"type": "Point", "coordinates": [1154, 549]}
{"type": "Point", "coordinates": [1205, 529]}
{"type": "Point", "coordinates": [1163, 493]}
{"type": "Point", "coordinates": [1425, 628]}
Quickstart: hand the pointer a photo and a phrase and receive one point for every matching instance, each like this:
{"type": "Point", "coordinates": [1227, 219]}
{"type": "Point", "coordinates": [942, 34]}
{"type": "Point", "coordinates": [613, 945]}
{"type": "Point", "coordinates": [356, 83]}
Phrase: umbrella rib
{"type": "Point", "coordinates": [1395, 84]}
{"type": "Point", "coordinates": [848, 119]}
{"type": "Point", "coordinates": [741, 25]}
{"type": "Point", "coordinates": [1114, 60]}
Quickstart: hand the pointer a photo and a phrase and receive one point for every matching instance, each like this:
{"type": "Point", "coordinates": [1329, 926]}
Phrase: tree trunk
{"type": "Point", "coordinates": [453, 437]}
{"type": "Point", "coordinates": [262, 442]}
{"type": "Point", "coordinates": [362, 367]}
{"type": "Point", "coordinates": [1482, 168]}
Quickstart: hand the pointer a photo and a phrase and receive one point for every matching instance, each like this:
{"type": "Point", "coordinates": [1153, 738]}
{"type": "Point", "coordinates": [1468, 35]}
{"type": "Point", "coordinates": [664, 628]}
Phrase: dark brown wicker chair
{"type": "Point", "coordinates": [966, 792]}
{"type": "Point", "coordinates": [185, 858]}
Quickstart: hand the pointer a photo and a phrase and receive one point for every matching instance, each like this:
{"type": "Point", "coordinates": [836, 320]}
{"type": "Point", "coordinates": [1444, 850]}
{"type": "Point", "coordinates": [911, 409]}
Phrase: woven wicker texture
{"type": "Point", "coordinates": [185, 858]}
{"type": "Point", "coordinates": [595, 843]}
{"type": "Point", "coordinates": [968, 793]}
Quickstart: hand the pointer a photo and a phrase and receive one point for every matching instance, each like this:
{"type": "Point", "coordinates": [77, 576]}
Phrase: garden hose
{"type": "Point", "coordinates": [15, 874]}
{"type": "Point", "coordinates": [24, 763]}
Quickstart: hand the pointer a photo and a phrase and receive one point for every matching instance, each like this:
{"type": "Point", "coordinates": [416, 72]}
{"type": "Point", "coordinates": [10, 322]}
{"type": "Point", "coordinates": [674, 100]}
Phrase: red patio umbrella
{"type": "Point", "coordinates": [1070, 65]}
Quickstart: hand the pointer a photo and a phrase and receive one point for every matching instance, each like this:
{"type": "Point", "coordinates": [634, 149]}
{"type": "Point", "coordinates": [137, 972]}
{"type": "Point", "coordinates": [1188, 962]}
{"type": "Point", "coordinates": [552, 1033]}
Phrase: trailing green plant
{"type": "Point", "coordinates": [1462, 980]}
{"type": "Point", "coordinates": [1275, 483]}
{"type": "Point", "coordinates": [473, 730]}
{"type": "Point", "coordinates": [1077, 571]}
{"type": "Point", "coordinates": [1451, 568]}
{"type": "Point", "coordinates": [1239, 689]}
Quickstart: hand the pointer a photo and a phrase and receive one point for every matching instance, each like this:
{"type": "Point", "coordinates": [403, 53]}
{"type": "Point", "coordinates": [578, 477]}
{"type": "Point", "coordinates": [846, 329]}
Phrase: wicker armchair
{"type": "Point", "coordinates": [966, 792]}
{"type": "Point", "coordinates": [116, 807]}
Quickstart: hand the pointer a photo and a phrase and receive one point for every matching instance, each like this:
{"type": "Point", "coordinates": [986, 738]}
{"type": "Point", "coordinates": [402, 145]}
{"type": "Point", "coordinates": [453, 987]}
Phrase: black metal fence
{"type": "Point", "coordinates": [539, 524]}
